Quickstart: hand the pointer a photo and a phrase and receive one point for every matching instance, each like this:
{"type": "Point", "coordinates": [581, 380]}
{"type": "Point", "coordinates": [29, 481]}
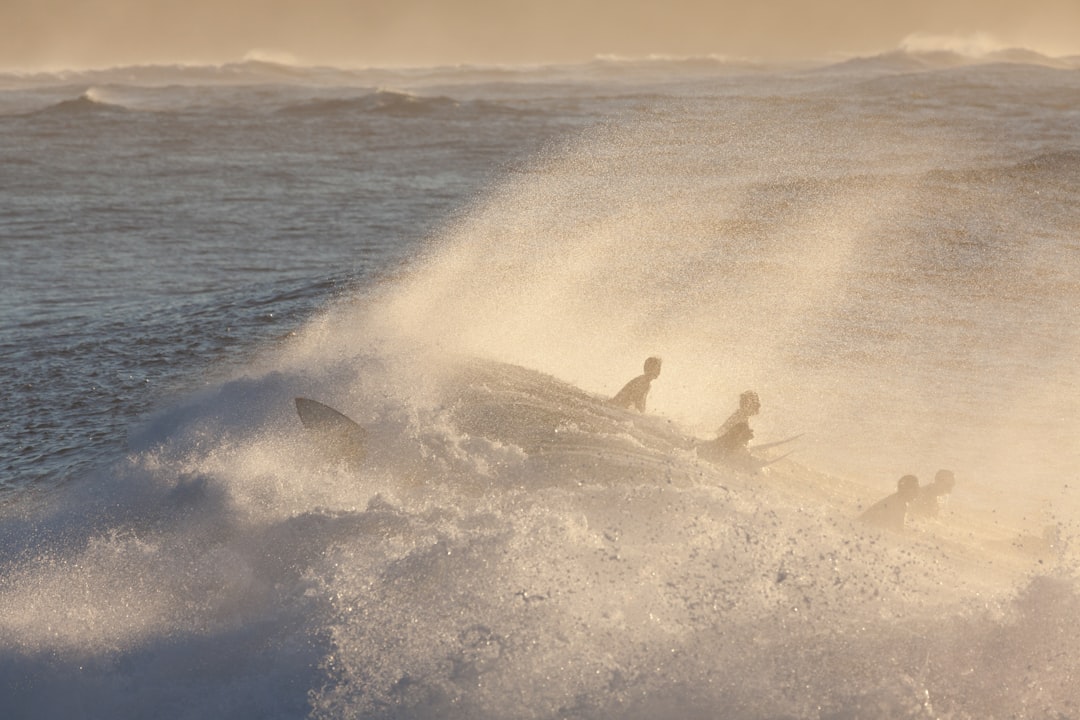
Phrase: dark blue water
{"type": "Point", "coordinates": [145, 248]}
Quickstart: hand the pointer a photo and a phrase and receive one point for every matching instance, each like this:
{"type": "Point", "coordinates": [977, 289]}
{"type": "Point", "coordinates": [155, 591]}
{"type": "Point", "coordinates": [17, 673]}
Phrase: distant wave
{"type": "Point", "coordinates": [978, 46]}
{"type": "Point", "coordinates": [700, 63]}
{"type": "Point", "coordinates": [247, 72]}
{"type": "Point", "coordinates": [393, 103]}
{"type": "Point", "coordinates": [926, 52]}
{"type": "Point", "coordinates": [260, 70]}
{"type": "Point", "coordinates": [89, 102]}
{"type": "Point", "coordinates": [914, 54]}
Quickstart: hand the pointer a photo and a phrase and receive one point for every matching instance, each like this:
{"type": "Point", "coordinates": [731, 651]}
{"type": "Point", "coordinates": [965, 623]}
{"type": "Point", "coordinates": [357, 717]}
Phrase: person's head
{"type": "Point", "coordinates": [749, 401]}
{"type": "Point", "coordinates": [652, 367]}
{"type": "Point", "coordinates": [945, 481]}
{"type": "Point", "coordinates": [907, 487]}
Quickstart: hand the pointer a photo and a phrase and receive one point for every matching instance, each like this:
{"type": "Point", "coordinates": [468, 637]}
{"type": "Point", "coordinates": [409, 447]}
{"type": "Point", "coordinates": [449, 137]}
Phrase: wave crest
{"type": "Point", "coordinates": [90, 102]}
{"type": "Point", "coordinates": [977, 47]}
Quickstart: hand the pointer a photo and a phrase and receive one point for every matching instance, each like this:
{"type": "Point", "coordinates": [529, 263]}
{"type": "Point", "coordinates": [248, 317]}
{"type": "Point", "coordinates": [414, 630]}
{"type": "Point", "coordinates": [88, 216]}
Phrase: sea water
{"type": "Point", "coordinates": [467, 261]}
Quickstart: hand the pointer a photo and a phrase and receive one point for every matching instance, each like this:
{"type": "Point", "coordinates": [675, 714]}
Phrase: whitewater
{"type": "Point", "coordinates": [469, 262]}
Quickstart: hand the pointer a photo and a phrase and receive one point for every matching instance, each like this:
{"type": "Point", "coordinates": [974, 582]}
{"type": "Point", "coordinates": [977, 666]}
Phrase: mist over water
{"type": "Point", "coordinates": [904, 316]}
{"type": "Point", "coordinates": [889, 258]}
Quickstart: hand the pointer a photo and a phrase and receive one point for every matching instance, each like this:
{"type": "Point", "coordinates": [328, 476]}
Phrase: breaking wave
{"type": "Point", "coordinates": [512, 547]}
{"type": "Point", "coordinates": [91, 102]}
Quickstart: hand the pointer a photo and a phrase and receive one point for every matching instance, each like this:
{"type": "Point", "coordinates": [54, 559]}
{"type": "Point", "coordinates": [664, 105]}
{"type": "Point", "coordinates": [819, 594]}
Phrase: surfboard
{"type": "Point", "coordinates": [741, 459]}
{"type": "Point", "coordinates": [338, 436]}
{"type": "Point", "coordinates": [766, 463]}
{"type": "Point", "coordinates": [765, 446]}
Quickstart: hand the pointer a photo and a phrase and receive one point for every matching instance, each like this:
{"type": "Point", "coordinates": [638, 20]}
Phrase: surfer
{"type": "Point", "coordinates": [890, 512]}
{"type": "Point", "coordinates": [732, 448]}
{"type": "Point", "coordinates": [928, 502]}
{"type": "Point", "coordinates": [634, 392]}
{"type": "Point", "coordinates": [736, 432]}
{"type": "Point", "coordinates": [732, 441]}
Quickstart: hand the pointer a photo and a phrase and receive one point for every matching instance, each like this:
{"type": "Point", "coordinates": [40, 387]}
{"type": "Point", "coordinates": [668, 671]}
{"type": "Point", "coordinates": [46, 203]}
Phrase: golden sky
{"type": "Point", "coordinates": [56, 34]}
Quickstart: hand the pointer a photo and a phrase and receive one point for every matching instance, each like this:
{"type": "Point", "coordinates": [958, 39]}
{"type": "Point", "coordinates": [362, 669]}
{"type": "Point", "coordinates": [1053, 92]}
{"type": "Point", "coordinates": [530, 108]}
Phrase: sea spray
{"type": "Point", "coordinates": [885, 256]}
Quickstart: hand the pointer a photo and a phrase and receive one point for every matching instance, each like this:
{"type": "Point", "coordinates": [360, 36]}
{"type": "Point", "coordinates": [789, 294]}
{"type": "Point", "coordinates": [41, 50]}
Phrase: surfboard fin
{"type": "Point", "coordinates": [337, 435]}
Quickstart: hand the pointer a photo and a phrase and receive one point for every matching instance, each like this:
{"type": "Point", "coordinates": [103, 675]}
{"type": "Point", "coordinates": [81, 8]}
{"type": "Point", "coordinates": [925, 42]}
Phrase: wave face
{"type": "Point", "coordinates": [513, 547]}
{"type": "Point", "coordinates": [468, 266]}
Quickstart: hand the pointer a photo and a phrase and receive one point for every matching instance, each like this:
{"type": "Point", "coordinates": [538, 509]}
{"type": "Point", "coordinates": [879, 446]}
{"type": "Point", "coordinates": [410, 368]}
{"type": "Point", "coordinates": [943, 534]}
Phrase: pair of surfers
{"type": "Point", "coordinates": [892, 512]}
{"type": "Point", "coordinates": [732, 442]}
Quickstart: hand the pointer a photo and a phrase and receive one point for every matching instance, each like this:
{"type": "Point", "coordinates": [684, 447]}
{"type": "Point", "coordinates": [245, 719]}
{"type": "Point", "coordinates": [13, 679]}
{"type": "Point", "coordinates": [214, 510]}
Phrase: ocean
{"type": "Point", "coordinates": [468, 262]}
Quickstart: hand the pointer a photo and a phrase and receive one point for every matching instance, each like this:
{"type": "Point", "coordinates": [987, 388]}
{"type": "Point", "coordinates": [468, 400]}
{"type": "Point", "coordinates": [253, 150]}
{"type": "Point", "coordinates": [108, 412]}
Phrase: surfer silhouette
{"type": "Point", "coordinates": [736, 432]}
{"type": "Point", "coordinates": [733, 438]}
{"type": "Point", "coordinates": [635, 392]}
{"type": "Point", "coordinates": [928, 502]}
{"type": "Point", "coordinates": [732, 449]}
{"type": "Point", "coordinates": [890, 512]}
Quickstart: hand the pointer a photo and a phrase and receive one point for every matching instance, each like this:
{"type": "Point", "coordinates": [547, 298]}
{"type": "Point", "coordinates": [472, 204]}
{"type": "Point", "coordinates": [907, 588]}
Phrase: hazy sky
{"type": "Point", "coordinates": [58, 34]}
